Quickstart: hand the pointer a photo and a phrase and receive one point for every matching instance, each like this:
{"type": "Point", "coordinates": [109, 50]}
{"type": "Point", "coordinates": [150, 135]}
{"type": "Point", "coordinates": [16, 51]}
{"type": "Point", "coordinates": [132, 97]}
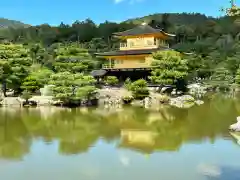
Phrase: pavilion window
{"type": "Point", "coordinates": [163, 42]}
{"type": "Point", "coordinates": [123, 44]}
{"type": "Point", "coordinates": [141, 61]}
{"type": "Point", "coordinates": [155, 41]}
{"type": "Point", "coordinates": [131, 44]}
{"type": "Point", "coordinates": [160, 42]}
{"type": "Point", "coordinates": [119, 61]}
{"type": "Point", "coordinates": [150, 43]}
{"type": "Point", "coordinates": [112, 63]}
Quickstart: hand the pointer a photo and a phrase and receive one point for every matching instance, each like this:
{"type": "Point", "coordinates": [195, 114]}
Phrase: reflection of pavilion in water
{"type": "Point", "coordinates": [139, 129]}
{"type": "Point", "coordinates": [139, 136]}
{"type": "Point", "coordinates": [146, 141]}
{"type": "Point", "coordinates": [145, 131]}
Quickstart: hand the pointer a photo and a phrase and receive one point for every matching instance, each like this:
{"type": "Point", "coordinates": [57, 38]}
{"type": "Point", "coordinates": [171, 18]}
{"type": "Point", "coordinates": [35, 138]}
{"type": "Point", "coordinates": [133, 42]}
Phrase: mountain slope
{"type": "Point", "coordinates": [174, 18]}
{"type": "Point", "coordinates": [4, 23]}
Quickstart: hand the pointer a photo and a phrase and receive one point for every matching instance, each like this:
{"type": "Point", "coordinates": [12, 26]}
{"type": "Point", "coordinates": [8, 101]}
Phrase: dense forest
{"type": "Point", "coordinates": [188, 28]}
{"type": "Point", "coordinates": [32, 56]}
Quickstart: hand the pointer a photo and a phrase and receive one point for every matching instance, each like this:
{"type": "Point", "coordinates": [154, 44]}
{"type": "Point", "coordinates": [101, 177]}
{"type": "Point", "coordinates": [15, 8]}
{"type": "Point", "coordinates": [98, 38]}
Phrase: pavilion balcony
{"type": "Point", "coordinates": [137, 66]}
{"type": "Point", "coordinates": [125, 46]}
{"type": "Point", "coordinates": [107, 66]}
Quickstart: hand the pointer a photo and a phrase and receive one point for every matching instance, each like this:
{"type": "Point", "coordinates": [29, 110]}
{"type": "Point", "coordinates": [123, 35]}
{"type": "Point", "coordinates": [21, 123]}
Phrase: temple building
{"type": "Point", "coordinates": [136, 47]}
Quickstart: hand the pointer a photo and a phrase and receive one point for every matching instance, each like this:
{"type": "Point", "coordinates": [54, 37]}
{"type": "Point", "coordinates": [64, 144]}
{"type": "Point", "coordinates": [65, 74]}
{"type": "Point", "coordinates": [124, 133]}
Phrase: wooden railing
{"type": "Point", "coordinates": [107, 66]}
{"type": "Point", "coordinates": [124, 46]}
{"type": "Point", "coordinates": [128, 68]}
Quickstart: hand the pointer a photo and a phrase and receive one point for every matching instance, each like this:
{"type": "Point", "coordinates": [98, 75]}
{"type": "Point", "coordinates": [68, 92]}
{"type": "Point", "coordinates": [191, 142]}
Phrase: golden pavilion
{"type": "Point", "coordinates": [136, 47]}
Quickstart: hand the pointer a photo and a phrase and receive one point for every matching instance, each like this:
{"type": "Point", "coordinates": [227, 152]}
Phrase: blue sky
{"type": "Point", "coordinates": [56, 11]}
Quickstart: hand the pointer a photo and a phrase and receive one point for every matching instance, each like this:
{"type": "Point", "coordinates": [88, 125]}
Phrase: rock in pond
{"type": "Point", "coordinates": [199, 102]}
{"type": "Point", "coordinates": [138, 103]}
{"type": "Point", "coordinates": [42, 100]}
{"type": "Point", "coordinates": [185, 101]}
{"type": "Point", "coordinates": [235, 127]}
{"type": "Point", "coordinates": [12, 101]}
{"type": "Point", "coordinates": [236, 136]}
{"type": "Point", "coordinates": [197, 89]}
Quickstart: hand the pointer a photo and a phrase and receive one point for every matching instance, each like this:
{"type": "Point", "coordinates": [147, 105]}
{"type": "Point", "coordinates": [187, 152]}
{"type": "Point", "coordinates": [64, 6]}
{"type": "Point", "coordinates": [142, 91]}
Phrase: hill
{"type": "Point", "coordinates": [174, 18]}
{"type": "Point", "coordinates": [4, 23]}
{"type": "Point", "coordinates": [188, 28]}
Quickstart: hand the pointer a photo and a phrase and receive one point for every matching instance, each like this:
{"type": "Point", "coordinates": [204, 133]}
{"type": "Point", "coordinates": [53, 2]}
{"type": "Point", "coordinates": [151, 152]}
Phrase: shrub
{"type": "Point", "coordinates": [221, 79]}
{"type": "Point", "coordinates": [163, 98]}
{"type": "Point", "coordinates": [139, 89]}
{"type": "Point", "coordinates": [86, 92]}
{"type": "Point", "coordinates": [111, 80]}
{"type": "Point", "coordinates": [68, 87]}
{"type": "Point", "coordinates": [127, 84]}
{"type": "Point", "coordinates": [127, 99]}
{"type": "Point", "coordinates": [170, 67]}
{"type": "Point", "coordinates": [31, 84]}
{"type": "Point", "coordinates": [26, 95]}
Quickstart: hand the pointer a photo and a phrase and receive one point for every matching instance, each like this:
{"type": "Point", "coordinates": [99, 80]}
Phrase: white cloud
{"type": "Point", "coordinates": [118, 1]}
{"type": "Point", "coordinates": [125, 160]}
{"type": "Point", "coordinates": [129, 1]}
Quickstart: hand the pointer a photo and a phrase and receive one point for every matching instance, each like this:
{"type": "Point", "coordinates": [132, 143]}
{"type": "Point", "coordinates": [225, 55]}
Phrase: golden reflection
{"type": "Point", "coordinates": [141, 140]}
{"type": "Point", "coordinates": [146, 131]}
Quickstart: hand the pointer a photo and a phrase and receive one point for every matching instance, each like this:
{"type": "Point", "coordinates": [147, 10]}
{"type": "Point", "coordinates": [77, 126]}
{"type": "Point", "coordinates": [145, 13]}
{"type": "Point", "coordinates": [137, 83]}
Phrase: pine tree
{"type": "Point", "coordinates": [221, 79]}
{"type": "Point", "coordinates": [170, 67]}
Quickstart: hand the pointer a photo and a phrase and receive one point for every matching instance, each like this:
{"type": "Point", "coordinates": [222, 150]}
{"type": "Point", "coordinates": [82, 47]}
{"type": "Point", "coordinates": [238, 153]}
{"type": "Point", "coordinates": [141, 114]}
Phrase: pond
{"type": "Point", "coordinates": [125, 144]}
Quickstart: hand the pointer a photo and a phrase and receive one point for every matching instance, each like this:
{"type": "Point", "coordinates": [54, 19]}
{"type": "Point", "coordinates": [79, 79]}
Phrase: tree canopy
{"type": "Point", "coordinates": [33, 56]}
{"type": "Point", "coordinates": [169, 67]}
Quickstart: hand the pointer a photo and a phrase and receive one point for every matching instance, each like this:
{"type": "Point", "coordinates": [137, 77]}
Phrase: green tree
{"type": "Point", "coordinates": [17, 58]}
{"type": "Point", "coordinates": [26, 95]}
{"type": "Point", "coordinates": [170, 67]}
{"type": "Point", "coordinates": [233, 10]}
{"type": "Point", "coordinates": [73, 58]}
{"type": "Point", "coordinates": [34, 49]}
{"type": "Point", "coordinates": [37, 78]}
{"type": "Point", "coordinates": [127, 83]}
{"type": "Point", "coordinates": [139, 89]}
{"type": "Point", "coordinates": [221, 79]}
{"type": "Point", "coordinates": [86, 92]}
{"type": "Point", "coordinates": [5, 71]}
{"type": "Point", "coordinates": [42, 75]}
{"type": "Point", "coordinates": [30, 84]}
{"type": "Point", "coordinates": [111, 80]}
{"type": "Point", "coordinates": [71, 88]}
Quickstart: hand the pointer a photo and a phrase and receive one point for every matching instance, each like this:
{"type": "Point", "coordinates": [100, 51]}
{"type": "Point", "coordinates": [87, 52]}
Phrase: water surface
{"type": "Point", "coordinates": [127, 144]}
